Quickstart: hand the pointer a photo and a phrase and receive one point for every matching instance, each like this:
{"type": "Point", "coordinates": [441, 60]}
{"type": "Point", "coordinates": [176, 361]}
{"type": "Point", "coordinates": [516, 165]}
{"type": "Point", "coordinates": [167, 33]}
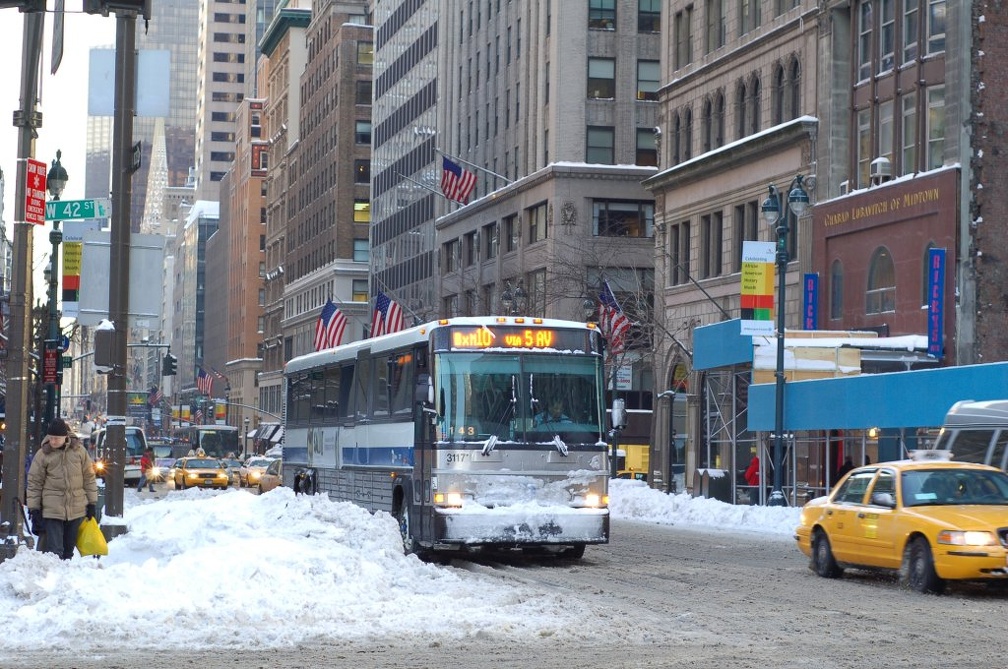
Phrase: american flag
{"type": "Point", "coordinates": [204, 382]}
{"type": "Point", "coordinates": [388, 317]}
{"type": "Point", "coordinates": [198, 417]}
{"type": "Point", "coordinates": [330, 326]}
{"type": "Point", "coordinates": [612, 321]}
{"type": "Point", "coordinates": [154, 396]}
{"type": "Point", "coordinates": [456, 183]}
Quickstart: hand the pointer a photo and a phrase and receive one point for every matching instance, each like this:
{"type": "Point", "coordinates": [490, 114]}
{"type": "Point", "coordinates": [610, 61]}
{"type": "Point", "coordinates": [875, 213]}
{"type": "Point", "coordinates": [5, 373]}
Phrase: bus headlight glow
{"type": "Point", "coordinates": [448, 499]}
{"type": "Point", "coordinates": [591, 499]}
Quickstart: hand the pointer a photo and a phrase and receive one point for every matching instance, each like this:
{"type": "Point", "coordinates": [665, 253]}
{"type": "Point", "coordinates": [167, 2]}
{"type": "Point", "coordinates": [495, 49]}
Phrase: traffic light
{"type": "Point", "coordinates": [169, 365]}
{"type": "Point", "coordinates": [104, 7]}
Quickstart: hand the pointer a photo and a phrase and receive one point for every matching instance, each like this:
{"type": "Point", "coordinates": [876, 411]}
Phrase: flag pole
{"type": "Point", "coordinates": [425, 187]}
{"type": "Point", "coordinates": [474, 166]}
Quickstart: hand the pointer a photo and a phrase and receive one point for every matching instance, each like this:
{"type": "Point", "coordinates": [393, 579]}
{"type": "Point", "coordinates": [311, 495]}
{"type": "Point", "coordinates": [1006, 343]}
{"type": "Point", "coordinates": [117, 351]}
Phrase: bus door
{"type": "Point", "coordinates": [419, 489]}
{"type": "Point", "coordinates": [357, 447]}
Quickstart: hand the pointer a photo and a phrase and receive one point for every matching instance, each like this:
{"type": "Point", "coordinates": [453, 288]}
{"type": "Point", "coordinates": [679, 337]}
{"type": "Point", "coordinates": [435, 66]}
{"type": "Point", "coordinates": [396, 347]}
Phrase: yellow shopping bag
{"type": "Point", "coordinates": [90, 540]}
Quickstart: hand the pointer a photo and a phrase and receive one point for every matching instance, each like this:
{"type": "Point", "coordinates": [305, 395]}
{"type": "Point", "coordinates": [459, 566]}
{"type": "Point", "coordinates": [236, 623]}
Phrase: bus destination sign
{"type": "Point", "coordinates": [510, 337]}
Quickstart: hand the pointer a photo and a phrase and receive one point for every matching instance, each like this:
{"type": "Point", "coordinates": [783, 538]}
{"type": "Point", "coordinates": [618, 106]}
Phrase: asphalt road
{"type": "Point", "coordinates": [676, 598]}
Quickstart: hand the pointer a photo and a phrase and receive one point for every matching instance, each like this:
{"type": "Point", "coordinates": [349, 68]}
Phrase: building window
{"type": "Point", "coordinates": [935, 127]}
{"type": "Point", "coordinates": [748, 15]}
{"type": "Point", "coordinates": [492, 236]}
{"type": "Point", "coordinates": [647, 147]}
{"type": "Point", "coordinates": [716, 28]}
{"type": "Point", "coordinates": [362, 211]}
{"type": "Point", "coordinates": [881, 295]}
{"type": "Point", "coordinates": [362, 171]}
{"type": "Point", "coordinates": [713, 136]}
{"type": "Point", "coordinates": [365, 53]}
{"type": "Point", "coordinates": [885, 132]}
{"type": "Point", "coordinates": [683, 37]}
{"type": "Point", "coordinates": [451, 259]}
{"type": "Point", "coordinates": [746, 229]}
{"type": "Point", "coordinates": [648, 16]}
{"type": "Point", "coordinates": [648, 77]}
{"type": "Point", "coordinates": [836, 291]}
{"type": "Point", "coordinates": [469, 248]}
{"type": "Point", "coordinates": [362, 135]}
{"type": "Point", "coordinates": [360, 290]}
{"type": "Point", "coordinates": [864, 152]}
{"type": "Point", "coordinates": [687, 134]}
{"type": "Point", "coordinates": [363, 92]}
{"type": "Point", "coordinates": [361, 250]}
{"type": "Point", "coordinates": [511, 232]}
{"type": "Point", "coordinates": [679, 248]}
{"type": "Point", "coordinates": [864, 40]}
{"type": "Point", "coordinates": [601, 78]}
{"type": "Point", "coordinates": [887, 36]}
{"type": "Point", "coordinates": [711, 239]}
{"type": "Point", "coordinates": [908, 148]}
{"type": "Point", "coordinates": [536, 217]}
{"type": "Point", "coordinates": [936, 26]}
{"type": "Point", "coordinates": [616, 218]}
{"type": "Point", "coordinates": [911, 17]}
{"type": "Point", "coordinates": [602, 14]}
{"type": "Point", "coordinates": [601, 145]}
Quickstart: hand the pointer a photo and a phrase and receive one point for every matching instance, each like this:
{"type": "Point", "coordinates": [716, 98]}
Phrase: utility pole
{"type": "Point", "coordinates": [28, 121]}
{"type": "Point", "coordinates": [122, 174]}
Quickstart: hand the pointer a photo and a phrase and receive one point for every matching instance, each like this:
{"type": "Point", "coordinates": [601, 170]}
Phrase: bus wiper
{"type": "Point", "coordinates": [533, 400]}
{"type": "Point", "coordinates": [490, 444]}
{"type": "Point", "coordinates": [560, 445]}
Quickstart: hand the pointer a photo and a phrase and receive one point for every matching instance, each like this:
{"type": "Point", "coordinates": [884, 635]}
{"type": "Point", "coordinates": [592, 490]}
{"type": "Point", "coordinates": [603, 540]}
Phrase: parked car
{"type": "Point", "coordinates": [253, 470]}
{"type": "Point", "coordinates": [199, 472]}
{"type": "Point", "coordinates": [234, 468]}
{"type": "Point", "coordinates": [136, 443]}
{"type": "Point", "coordinates": [272, 477]}
{"type": "Point", "coordinates": [930, 520]}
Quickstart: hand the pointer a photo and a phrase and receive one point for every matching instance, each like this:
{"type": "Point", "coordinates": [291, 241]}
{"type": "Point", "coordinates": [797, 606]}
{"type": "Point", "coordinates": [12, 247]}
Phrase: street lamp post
{"type": "Point", "coordinates": [55, 183]}
{"type": "Point", "coordinates": [245, 436]}
{"type": "Point", "coordinates": [670, 396]}
{"type": "Point", "coordinates": [798, 201]}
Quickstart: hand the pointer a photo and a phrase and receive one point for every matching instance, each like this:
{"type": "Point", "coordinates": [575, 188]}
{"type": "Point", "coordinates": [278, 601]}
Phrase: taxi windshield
{"type": "Point", "coordinates": [922, 487]}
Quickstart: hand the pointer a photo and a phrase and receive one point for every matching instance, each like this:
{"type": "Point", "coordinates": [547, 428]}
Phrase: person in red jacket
{"type": "Point", "coordinates": [752, 478]}
{"type": "Point", "coordinates": [146, 470]}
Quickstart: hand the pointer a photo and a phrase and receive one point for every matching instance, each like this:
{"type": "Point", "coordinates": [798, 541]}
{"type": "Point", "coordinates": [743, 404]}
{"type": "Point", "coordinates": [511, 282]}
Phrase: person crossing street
{"type": "Point", "coordinates": [146, 470]}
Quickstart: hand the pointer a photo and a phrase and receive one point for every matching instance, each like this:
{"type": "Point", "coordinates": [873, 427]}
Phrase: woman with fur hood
{"type": "Point", "coordinates": [61, 489]}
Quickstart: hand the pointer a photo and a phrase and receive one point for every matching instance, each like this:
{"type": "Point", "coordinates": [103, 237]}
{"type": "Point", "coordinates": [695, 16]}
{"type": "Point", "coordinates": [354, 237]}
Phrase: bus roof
{"type": "Point", "coordinates": [418, 334]}
{"type": "Point", "coordinates": [970, 413]}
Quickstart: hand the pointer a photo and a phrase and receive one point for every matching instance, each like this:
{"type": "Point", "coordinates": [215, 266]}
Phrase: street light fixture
{"type": "Point", "coordinates": [513, 299]}
{"type": "Point", "coordinates": [798, 201]}
{"type": "Point", "coordinates": [55, 182]}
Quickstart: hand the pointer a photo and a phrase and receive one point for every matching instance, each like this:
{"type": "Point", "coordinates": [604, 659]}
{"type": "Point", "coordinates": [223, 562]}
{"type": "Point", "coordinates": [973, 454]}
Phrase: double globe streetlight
{"type": "Point", "coordinates": [56, 181]}
{"type": "Point", "coordinates": [798, 202]}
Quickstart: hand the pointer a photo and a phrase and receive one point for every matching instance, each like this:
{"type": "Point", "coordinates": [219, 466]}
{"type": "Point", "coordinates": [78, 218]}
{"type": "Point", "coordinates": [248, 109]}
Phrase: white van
{"type": "Point", "coordinates": [976, 432]}
{"type": "Point", "coordinates": [136, 444]}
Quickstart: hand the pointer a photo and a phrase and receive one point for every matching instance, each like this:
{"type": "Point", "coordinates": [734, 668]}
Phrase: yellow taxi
{"type": "Point", "coordinates": [200, 472]}
{"type": "Point", "coordinates": [928, 518]}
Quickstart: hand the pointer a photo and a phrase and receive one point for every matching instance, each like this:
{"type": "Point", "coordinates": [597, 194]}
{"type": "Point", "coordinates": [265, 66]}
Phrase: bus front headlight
{"type": "Point", "coordinates": [448, 499]}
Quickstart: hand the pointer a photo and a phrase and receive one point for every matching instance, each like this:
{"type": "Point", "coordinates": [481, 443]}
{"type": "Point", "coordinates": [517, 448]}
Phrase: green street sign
{"type": "Point", "coordinates": [67, 362]}
{"type": "Point", "coordinates": [65, 210]}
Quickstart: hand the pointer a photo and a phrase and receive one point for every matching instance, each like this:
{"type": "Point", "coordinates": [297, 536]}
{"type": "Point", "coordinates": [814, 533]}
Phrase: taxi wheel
{"type": "Point", "coordinates": [823, 561]}
{"type": "Point", "coordinates": [917, 572]}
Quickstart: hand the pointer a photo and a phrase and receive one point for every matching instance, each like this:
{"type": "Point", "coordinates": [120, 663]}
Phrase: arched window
{"type": "Point", "coordinates": [708, 125]}
{"type": "Point", "coordinates": [881, 294]}
{"type": "Point", "coordinates": [779, 97]}
{"type": "Point", "coordinates": [719, 120]}
{"type": "Point", "coordinates": [676, 139]}
{"type": "Point", "coordinates": [794, 79]}
{"type": "Point", "coordinates": [687, 145]}
{"type": "Point", "coordinates": [741, 111]}
{"type": "Point", "coordinates": [925, 273]}
{"type": "Point", "coordinates": [754, 105]}
{"type": "Point", "coordinates": [836, 291]}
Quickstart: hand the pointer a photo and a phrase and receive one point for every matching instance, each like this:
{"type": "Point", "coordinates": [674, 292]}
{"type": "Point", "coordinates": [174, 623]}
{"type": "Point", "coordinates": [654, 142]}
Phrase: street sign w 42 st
{"type": "Point", "coordinates": [65, 210]}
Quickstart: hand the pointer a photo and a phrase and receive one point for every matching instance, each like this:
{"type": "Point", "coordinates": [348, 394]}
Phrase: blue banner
{"type": "Point", "coordinates": [936, 301]}
{"type": "Point", "coordinates": [810, 302]}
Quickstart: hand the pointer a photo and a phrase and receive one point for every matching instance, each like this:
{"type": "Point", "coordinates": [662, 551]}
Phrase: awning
{"type": "Point", "coordinates": [277, 435]}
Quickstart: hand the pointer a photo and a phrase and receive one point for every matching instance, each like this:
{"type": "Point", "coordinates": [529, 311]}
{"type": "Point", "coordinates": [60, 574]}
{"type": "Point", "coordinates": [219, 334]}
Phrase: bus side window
{"type": "Point", "coordinates": [971, 445]}
{"type": "Point", "coordinates": [1000, 452]}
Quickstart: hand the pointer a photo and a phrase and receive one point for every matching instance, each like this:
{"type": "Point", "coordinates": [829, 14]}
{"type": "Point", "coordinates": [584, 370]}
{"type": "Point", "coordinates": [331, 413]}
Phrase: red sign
{"type": "Point", "coordinates": [35, 192]}
{"type": "Point", "coordinates": [50, 364]}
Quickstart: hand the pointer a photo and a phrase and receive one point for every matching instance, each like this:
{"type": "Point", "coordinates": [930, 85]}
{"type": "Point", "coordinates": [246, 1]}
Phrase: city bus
{"type": "Point", "coordinates": [976, 432]}
{"type": "Point", "coordinates": [473, 433]}
{"type": "Point", "coordinates": [217, 441]}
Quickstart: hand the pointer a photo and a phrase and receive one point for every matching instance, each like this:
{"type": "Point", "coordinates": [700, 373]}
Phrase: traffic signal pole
{"type": "Point", "coordinates": [122, 138]}
{"type": "Point", "coordinates": [27, 121]}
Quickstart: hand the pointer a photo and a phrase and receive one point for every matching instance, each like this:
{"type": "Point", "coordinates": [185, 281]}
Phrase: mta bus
{"type": "Point", "coordinates": [473, 433]}
{"type": "Point", "coordinates": [976, 432]}
{"type": "Point", "coordinates": [217, 441]}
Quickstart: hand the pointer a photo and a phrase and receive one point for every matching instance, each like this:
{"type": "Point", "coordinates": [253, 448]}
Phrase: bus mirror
{"type": "Point", "coordinates": [618, 414]}
{"type": "Point", "coordinates": [430, 392]}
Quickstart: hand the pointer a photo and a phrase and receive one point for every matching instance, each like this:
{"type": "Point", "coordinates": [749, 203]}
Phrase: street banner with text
{"type": "Point", "coordinates": [757, 292]}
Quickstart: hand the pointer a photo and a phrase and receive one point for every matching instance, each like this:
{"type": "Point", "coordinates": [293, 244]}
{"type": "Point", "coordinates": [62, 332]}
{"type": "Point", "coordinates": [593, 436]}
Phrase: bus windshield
{"type": "Point", "coordinates": [523, 397]}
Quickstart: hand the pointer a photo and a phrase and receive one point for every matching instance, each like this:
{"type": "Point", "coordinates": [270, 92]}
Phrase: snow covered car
{"type": "Point", "coordinates": [929, 520]}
